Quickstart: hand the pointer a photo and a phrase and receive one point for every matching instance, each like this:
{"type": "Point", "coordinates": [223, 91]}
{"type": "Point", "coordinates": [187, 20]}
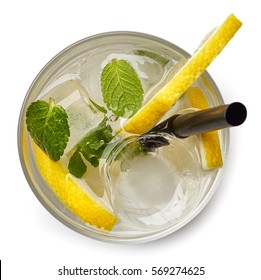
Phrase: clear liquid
{"type": "Point", "coordinates": [148, 191]}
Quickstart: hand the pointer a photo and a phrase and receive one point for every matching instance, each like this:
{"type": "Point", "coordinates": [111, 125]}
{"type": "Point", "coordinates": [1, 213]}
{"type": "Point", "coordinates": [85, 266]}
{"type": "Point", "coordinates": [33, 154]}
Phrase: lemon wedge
{"type": "Point", "coordinates": [71, 194]}
{"type": "Point", "coordinates": [154, 110]}
{"type": "Point", "coordinates": [210, 150]}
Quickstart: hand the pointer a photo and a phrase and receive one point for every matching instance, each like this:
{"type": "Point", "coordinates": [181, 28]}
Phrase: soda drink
{"type": "Point", "coordinates": [102, 182]}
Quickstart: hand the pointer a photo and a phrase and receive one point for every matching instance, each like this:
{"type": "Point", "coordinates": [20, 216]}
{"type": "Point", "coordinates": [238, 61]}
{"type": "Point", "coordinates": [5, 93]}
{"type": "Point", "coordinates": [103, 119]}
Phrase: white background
{"type": "Point", "coordinates": [225, 237]}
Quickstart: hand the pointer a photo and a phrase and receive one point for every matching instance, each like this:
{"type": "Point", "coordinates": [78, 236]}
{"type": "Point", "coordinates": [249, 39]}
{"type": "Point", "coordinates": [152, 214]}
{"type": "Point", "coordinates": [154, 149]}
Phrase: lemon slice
{"type": "Point", "coordinates": [210, 150]}
{"type": "Point", "coordinates": [152, 112]}
{"type": "Point", "coordinates": [71, 194]}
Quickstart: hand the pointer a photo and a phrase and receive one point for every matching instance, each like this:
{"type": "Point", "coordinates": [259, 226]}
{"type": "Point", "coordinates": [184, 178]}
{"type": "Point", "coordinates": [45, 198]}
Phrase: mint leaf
{"type": "Point", "coordinates": [158, 58]}
{"type": "Point", "coordinates": [121, 88]}
{"type": "Point", "coordinates": [76, 165]}
{"type": "Point", "coordinates": [97, 107]}
{"type": "Point", "coordinates": [47, 124]}
{"type": "Point", "coordinates": [90, 148]}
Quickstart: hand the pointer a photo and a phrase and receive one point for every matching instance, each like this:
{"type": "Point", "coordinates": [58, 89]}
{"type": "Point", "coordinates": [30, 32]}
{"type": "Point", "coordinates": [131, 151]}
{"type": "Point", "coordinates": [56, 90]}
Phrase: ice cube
{"type": "Point", "coordinates": [94, 180]}
{"type": "Point", "coordinates": [60, 88]}
{"type": "Point", "coordinates": [90, 74]}
{"type": "Point", "coordinates": [147, 185]}
{"type": "Point", "coordinates": [152, 189]}
{"type": "Point", "coordinates": [82, 115]}
{"type": "Point", "coordinates": [149, 71]}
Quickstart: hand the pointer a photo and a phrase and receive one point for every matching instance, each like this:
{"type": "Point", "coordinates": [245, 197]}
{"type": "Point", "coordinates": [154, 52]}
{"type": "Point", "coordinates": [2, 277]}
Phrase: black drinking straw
{"type": "Point", "coordinates": [185, 125]}
{"type": "Point", "coordinates": [219, 117]}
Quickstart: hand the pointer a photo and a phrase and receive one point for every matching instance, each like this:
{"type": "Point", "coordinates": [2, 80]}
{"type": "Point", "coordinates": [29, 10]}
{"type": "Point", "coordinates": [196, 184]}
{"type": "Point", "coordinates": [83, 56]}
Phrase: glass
{"type": "Point", "coordinates": [152, 193]}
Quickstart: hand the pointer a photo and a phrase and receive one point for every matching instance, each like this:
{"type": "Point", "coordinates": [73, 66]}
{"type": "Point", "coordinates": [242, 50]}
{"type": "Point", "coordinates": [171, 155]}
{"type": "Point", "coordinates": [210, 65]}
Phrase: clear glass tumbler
{"type": "Point", "coordinates": [150, 194]}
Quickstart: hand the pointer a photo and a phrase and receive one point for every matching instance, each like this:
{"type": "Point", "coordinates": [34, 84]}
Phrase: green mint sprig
{"type": "Point", "coordinates": [47, 124]}
{"type": "Point", "coordinates": [90, 149]}
{"type": "Point", "coordinates": [121, 88]}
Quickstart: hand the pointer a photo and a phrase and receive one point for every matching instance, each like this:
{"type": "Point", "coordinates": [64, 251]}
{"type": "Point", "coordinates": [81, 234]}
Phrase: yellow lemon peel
{"type": "Point", "coordinates": [71, 194]}
{"type": "Point", "coordinates": [154, 110]}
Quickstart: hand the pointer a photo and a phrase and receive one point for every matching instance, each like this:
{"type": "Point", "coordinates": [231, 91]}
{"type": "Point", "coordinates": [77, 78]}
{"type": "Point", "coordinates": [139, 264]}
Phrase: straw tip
{"type": "Point", "coordinates": [236, 113]}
